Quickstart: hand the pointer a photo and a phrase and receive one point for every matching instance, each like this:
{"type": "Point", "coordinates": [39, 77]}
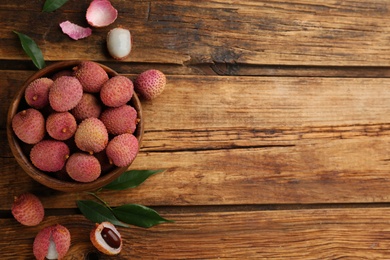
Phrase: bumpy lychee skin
{"type": "Point", "coordinates": [91, 76]}
{"type": "Point", "coordinates": [65, 93]}
{"type": "Point", "coordinates": [106, 238]}
{"type": "Point", "coordinates": [49, 155]}
{"type": "Point", "coordinates": [89, 106]}
{"type": "Point", "coordinates": [83, 167]}
{"type": "Point", "coordinates": [52, 242]}
{"type": "Point", "coordinates": [29, 125]}
{"type": "Point", "coordinates": [150, 84]}
{"type": "Point", "coordinates": [28, 210]}
{"type": "Point", "coordinates": [61, 125]}
{"type": "Point", "coordinates": [117, 91]}
{"type": "Point", "coordinates": [120, 120]}
{"type": "Point", "coordinates": [37, 92]}
{"type": "Point", "coordinates": [91, 135]}
{"type": "Point", "coordinates": [122, 149]}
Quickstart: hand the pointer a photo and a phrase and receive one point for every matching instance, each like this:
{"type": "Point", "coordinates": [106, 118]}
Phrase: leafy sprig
{"type": "Point", "coordinates": [125, 215]}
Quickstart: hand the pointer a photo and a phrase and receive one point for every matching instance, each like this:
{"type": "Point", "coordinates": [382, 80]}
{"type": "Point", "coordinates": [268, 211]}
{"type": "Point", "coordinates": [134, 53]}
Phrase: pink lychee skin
{"type": "Point", "coordinates": [83, 167]}
{"type": "Point", "coordinates": [28, 210]}
{"type": "Point", "coordinates": [49, 155]}
{"type": "Point", "coordinates": [117, 91]}
{"type": "Point", "coordinates": [60, 236]}
{"type": "Point", "coordinates": [120, 120]}
{"type": "Point", "coordinates": [91, 76]}
{"type": "Point", "coordinates": [122, 149]}
{"type": "Point", "coordinates": [61, 125]}
{"type": "Point", "coordinates": [91, 135]}
{"type": "Point", "coordinates": [37, 92]}
{"type": "Point", "coordinates": [101, 13]}
{"type": "Point", "coordinates": [150, 84]}
{"type": "Point", "coordinates": [65, 93]}
{"type": "Point", "coordinates": [89, 106]}
{"type": "Point", "coordinates": [29, 125]}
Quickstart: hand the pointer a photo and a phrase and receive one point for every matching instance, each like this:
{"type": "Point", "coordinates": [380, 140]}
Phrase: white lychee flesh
{"type": "Point", "coordinates": [119, 43]}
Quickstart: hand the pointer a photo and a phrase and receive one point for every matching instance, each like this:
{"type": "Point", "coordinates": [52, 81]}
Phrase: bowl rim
{"type": "Point", "coordinates": [43, 177]}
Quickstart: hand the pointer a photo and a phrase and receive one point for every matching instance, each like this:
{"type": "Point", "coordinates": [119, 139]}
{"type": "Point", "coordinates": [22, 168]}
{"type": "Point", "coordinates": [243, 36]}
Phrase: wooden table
{"type": "Point", "coordinates": [274, 127]}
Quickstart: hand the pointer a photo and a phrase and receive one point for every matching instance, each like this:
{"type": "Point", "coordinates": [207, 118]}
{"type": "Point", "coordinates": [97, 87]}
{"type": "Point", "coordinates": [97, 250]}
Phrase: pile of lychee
{"type": "Point", "coordinates": [78, 119]}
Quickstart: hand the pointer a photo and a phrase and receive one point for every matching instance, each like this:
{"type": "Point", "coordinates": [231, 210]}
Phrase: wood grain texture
{"type": "Point", "coordinates": [295, 32]}
{"type": "Point", "coordinates": [281, 234]}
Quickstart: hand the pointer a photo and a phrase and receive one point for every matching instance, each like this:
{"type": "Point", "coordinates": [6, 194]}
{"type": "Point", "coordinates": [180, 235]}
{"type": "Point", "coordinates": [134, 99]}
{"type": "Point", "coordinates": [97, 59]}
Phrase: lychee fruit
{"type": "Point", "coordinates": [49, 155]}
{"type": "Point", "coordinates": [120, 120]}
{"type": "Point", "coordinates": [119, 43]}
{"type": "Point", "coordinates": [149, 84]}
{"type": "Point", "coordinates": [122, 149]}
{"type": "Point", "coordinates": [83, 167]}
{"type": "Point", "coordinates": [91, 75]}
{"type": "Point", "coordinates": [106, 238]}
{"type": "Point", "coordinates": [29, 125]}
{"type": "Point", "coordinates": [89, 106]}
{"type": "Point", "coordinates": [61, 125]}
{"type": "Point", "coordinates": [52, 242]}
{"type": "Point", "coordinates": [37, 92]}
{"type": "Point", "coordinates": [28, 210]}
{"type": "Point", "coordinates": [91, 135]}
{"type": "Point", "coordinates": [65, 93]}
{"type": "Point", "coordinates": [117, 91]}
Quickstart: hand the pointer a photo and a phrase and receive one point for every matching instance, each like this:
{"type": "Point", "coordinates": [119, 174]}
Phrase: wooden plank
{"type": "Point", "coordinates": [282, 234]}
{"type": "Point", "coordinates": [295, 32]}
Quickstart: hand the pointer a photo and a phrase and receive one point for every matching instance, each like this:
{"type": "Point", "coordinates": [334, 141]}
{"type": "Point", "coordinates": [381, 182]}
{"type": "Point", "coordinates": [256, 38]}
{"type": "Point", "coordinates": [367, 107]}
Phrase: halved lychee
{"type": "Point", "coordinates": [106, 238]}
{"type": "Point", "coordinates": [52, 242]}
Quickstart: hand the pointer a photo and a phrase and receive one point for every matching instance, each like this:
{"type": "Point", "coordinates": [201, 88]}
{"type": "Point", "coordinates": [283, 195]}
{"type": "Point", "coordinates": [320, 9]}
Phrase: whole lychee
{"type": "Point", "coordinates": [89, 106]}
{"type": "Point", "coordinates": [29, 125]}
{"type": "Point", "coordinates": [117, 91]}
{"type": "Point", "coordinates": [149, 84]}
{"type": "Point", "coordinates": [61, 125]}
{"type": "Point", "coordinates": [120, 120]}
{"type": "Point", "coordinates": [28, 210]}
{"type": "Point", "coordinates": [122, 149]}
{"type": "Point", "coordinates": [91, 135]}
{"type": "Point", "coordinates": [83, 167]}
{"type": "Point", "coordinates": [52, 242]}
{"type": "Point", "coordinates": [106, 238]}
{"type": "Point", "coordinates": [37, 92]}
{"type": "Point", "coordinates": [91, 75]}
{"type": "Point", "coordinates": [49, 155]}
{"type": "Point", "coordinates": [65, 93]}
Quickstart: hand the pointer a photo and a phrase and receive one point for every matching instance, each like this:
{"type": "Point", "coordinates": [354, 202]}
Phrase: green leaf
{"type": "Point", "coordinates": [97, 212]}
{"type": "Point", "coordinates": [52, 5]}
{"type": "Point", "coordinates": [32, 50]}
{"type": "Point", "coordinates": [138, 215]}
{"type": "Point", "coordinates": [131, 179]}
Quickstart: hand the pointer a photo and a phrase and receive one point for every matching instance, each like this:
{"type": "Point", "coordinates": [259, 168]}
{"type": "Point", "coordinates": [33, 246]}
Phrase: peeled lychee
{"type": "Point", "coordinates": [149, 84]}
{"type": "Point", "coordinates": [49, 155]}
{"type": "Point", "coordinates": [91, 135]}
{"type": "Point", "coordinates": [89, 106]}
{"type": "Point", "coordinates": [65, 93]}
{"type": "Point", "coordinates": [28, 210]}
{"type": "Point", "coordinates": [61, 125]}
{"type": "Point", "coordinates": [83, 167]}
{"type": "Point", "coordinates": [91, 75]}
{"type": "Point", "coordinates": [120, 120]}
{"type": "Point", "coordinates": [117, 91]}
{"type": "Point", "coordinates": [29, 125]}
{"type": "Point", "coordinates": [106, 238]}
{"type": "Point", "coordinates": [119, 43]}
{"type": "Point", "coordinates": [122, 149]}
{"type": "Point", "coordinates": [52, 242]}
{"type": "Point", "coordinates": [37, 92]}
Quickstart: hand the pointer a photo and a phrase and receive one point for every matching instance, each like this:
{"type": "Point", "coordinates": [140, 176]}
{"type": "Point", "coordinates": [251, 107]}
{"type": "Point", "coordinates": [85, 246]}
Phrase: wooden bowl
{"type": "Point", "coordinates": [21, 150]}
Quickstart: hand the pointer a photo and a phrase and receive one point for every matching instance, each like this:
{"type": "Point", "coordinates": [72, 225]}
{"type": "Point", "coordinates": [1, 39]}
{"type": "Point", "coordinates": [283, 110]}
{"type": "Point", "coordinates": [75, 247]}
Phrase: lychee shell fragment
{"type": "Point", "coordinates": [101, 13]}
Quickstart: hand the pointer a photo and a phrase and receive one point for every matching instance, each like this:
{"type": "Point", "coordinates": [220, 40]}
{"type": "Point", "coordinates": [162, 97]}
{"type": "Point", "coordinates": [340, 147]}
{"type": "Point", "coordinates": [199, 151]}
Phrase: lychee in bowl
{"type": "Point", "coordinates": [59, 180]}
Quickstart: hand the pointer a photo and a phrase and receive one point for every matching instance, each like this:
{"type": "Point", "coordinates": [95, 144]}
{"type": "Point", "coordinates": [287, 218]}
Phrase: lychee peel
{"type": "Point", "coordinates": [52, 242]}
{"type": "Point", "coordinates": [150, 84]}
{"type": "Point", "coordinates": [49, 155]}
{"type": "Point", "coordinates": [122, 150]}
{"type": "Point", "coordinates": [101, 13]}
{"type": "Point", "coordinates": [29, 125]}
{"type": "Point", "coordinates": [83, 167]}
{"type": "Point", "coordinates": [28, 210]}
{"type": "Point", "coordinates": [120, 120]}
{"type": "Point", "coordinates": [37, 92]}
{"type": "Point", "coordinates": [65, 93]}
{"type": "Point", "coordinates": [91, 135]}
{"type": "Point", "coordinates": [117, 91]}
